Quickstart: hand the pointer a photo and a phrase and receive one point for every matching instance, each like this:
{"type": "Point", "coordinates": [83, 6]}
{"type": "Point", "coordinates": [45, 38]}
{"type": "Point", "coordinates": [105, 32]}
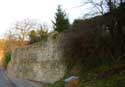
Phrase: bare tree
{"type": "Point", "coordinates": [17, 35]}
{"type": "Point", "coordinates": [22, 28]}
{"type": "Point", "coordinates": [111, 4]}
{"type": "Point", "coordinates": [99, 6]}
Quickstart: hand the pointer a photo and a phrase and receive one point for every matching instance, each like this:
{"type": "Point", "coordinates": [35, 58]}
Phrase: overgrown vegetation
{"type": "Point", "coordinates": [94, 50]}
{"type": "Point", "coordinates": [94, 42]}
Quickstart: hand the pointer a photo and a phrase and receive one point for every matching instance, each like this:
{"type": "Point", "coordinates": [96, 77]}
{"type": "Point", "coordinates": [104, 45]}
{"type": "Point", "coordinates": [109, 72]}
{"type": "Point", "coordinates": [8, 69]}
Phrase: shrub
{"type": "Point", "coordinates": [7, 58]}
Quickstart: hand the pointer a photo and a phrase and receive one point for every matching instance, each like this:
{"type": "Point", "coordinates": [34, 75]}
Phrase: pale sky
{"type": "Point", "coordinates": [42, 10]}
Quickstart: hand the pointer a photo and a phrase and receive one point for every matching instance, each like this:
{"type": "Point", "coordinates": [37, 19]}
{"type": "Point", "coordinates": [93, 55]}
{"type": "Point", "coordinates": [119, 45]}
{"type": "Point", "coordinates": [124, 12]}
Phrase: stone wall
{"type": "Point", "coordinates": [40, 62]}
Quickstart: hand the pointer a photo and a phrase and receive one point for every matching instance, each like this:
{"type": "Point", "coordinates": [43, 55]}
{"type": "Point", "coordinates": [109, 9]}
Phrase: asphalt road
{"type": "Point", "coordinates": [6, 81]}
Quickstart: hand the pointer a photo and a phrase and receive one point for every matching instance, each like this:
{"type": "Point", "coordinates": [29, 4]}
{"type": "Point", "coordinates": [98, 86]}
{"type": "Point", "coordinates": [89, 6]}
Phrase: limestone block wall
{"type": "Point", "coordinates": [39, 62]}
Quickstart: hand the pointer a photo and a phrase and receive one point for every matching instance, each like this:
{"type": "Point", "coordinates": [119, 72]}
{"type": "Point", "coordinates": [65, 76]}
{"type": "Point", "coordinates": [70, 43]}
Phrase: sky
{"type": "Point", "coordinates": [42, 10]}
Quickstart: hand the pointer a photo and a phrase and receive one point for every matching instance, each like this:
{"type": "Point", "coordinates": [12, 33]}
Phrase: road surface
{"type": "Point", "coordinates": [5, 81]}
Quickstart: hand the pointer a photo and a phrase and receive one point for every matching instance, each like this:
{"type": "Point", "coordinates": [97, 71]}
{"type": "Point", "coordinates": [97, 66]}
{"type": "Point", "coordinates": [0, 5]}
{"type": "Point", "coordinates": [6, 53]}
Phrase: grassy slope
{"type": "Point", "coordinates": [98, 78]}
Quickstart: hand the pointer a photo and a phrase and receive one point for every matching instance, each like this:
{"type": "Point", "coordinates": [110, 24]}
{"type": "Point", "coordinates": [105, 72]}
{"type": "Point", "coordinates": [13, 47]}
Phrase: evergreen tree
{"type": "Point", "coordinates": [61, 21]}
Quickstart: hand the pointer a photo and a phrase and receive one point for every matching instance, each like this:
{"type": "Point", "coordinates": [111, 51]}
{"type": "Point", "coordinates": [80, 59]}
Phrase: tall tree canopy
{"type": "Point", "coordinates": [61, 22]}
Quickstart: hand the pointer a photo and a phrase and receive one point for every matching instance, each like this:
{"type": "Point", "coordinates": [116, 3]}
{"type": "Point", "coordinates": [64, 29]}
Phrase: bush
{"type": "Point", "coordinates": [7, 58]}
{"type": "Point", "coordinates": [89, 43]}
{"type": "Point", "coordinates": [38, 36]}
{"type": "Point", "coordinates": [83, 44]}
